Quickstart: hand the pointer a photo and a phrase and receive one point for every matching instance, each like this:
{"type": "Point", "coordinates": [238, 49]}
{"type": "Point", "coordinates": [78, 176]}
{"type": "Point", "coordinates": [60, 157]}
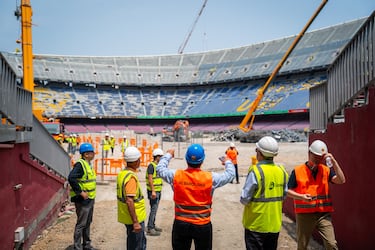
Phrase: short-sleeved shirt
{"type": "Point", "coordinates": [131, 187]}
{"type": "Point", "coordinates": [150, 169]}
{"type": "Point", "coordinates": [292, 183]}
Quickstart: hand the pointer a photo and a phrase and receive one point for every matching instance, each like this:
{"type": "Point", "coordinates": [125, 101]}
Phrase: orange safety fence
{"type": "Point", "coordinates": [111, 167]}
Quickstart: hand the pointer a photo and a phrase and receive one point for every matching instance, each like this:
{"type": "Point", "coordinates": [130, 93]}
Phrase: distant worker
{"type": "Point", "coordinates": [82, 180]}
{"type": "Point", "coordinates": [112, 142]}
{"type": "Point", "coordinates": [309, 187]}
{"type": "Point", "coordinates": [232, 153]}
{"type": "Point", "coordinates": [263, 194]}
{"type": "Point", "coordinates": [193, 190]}
{"type": "Point", "coordinates": [70, 147]}
{"type": "Point", "coordinates": [154, 186]}
{"type": "Point", "coordinates": [74, 144]}
{"type": "Point", "coordinates": [124, 144]}
{"type": "Point", "coordinates": [106, 145]}
{"type": "Point", "coordinates": [131, 207]}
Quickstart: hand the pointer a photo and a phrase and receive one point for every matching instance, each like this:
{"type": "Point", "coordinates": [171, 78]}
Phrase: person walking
{"type": "Point", "coordinates": [262, 195]}
{"type": "Point", "coordinates": [131, 209]}
{"type": "Point", "coordinates": [193, 190]}
{"type": "Point", "coordinates": [106, 144]}
{"type": "Point", "coordinates": [309, 187]}
{"type": "Point", "coordinates": [82, 180]}
{"type": "Point", "coordinates": [232, 153]}
{"type": "Point", "coordinates": [124, 144]}
{"type": "Point", "coordinates": [112, 142]}
{"type": "Point", "coordinates": [154, 186]}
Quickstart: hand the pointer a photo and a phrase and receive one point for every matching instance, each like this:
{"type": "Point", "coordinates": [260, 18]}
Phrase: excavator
{"type": "Point", "coordinates": [178, 133]}
{"type": "Point", "coordinates": [246, 124]}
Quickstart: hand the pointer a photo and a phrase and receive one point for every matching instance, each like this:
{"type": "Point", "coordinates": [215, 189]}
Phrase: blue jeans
{"type": "Point", "coordinates": [154, 204]}
{"type": "Point", "coordinates": [135, 241]}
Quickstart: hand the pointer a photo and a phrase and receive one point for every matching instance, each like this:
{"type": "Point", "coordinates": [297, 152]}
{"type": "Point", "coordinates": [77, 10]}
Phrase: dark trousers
{"type": "Point", "coordinates": [237, 177]}
{"type": "Point", "coordinates": [184, 233]}
{"type": "Point", "coordinates": [154, 204]}
{"type": "Point", "coordinates": [84, 211]}
{"type": "Point", "coordinates": [135, 241]}
{"type": "Point", "coordinates": [260, 241]}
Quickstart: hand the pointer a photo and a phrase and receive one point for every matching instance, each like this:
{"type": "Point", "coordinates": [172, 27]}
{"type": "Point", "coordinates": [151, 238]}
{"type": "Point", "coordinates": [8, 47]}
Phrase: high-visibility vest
{"type": "Point", "coordinates": [192, 196]}
{"type": "Point", "coordinates": [139, 202]}
{"type": "Point", "coordinates": [264, 212]}
{"type": "Point", "coordinates": [74, 141]}
{"type": "Point", "coordinates": [106, 145]}
{"type": "Point", "coordinates": [318, 188]}
{"type": "Point", "coordinates": [112, 142]}
{"type": "Point", "coordinates": [124, 145]}
{"type": "Point", "coordinates": [232, 154]}
{"type": "Point", "coordinates": [156, 180]}
{"type": "Point", "coordinates": [88, 180]}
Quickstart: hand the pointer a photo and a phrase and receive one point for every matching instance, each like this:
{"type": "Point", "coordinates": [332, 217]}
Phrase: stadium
{"type": "Point", "coordinates": [325, 88]}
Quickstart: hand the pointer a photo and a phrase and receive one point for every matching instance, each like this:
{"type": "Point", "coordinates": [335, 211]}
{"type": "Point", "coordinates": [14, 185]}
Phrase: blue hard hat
{"type": "Point", "coordinates": [86, 147]}
{"type": "Point", "coordinates": [195, 154]}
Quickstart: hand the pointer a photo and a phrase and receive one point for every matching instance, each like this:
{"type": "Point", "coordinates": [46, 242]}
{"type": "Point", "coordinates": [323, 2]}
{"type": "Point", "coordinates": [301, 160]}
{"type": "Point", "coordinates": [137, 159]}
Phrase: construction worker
{"type": "Point", "coordinates": [124, 144]}
{"type": "Point", "coordinates": [154, 185]}
{"type": "Point", "coordinates": [309, 187]}
{"type": "Point", "coordinates": [262, 195]}
{"type": "Point", "coordinates": [131, 207]}
{"type": "Point", "coordinates": [74, 144]}
{"type": "Point", "coordinates": [106, 144]}
{"type": "Point", "coordinates": [69, 141]}
{"type": "Point", "coordinates": [112, 142]}
{"type": "Point", "coordinates": [82, 180]}
{"type": "Point", "coordinates": [193, 190]}
{"type": "Point", "coordinates": [232, 153]}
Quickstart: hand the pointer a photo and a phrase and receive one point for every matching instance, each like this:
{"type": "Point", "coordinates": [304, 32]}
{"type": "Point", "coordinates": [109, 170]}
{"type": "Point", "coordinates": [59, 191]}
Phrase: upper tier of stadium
{"type": "Point", "coordinates": [316, 51]}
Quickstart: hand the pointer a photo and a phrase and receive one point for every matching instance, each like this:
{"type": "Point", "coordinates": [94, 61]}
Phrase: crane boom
{"type": "Point", "coordinates": [247, 122]}
{"type": "Point", "coordinates": [184, 43]}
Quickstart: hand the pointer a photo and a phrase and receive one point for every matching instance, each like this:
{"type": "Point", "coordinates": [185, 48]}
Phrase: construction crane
{"type": "Point", "coordinates": [184, 43]}
{"type": "Point", "coordinates": [247, 122]}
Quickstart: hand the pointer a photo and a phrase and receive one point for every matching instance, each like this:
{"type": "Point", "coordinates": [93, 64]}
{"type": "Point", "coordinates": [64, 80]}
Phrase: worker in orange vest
{"type": "Point", "coordinates": [232, 153]}
{"type": "Point", "coordinates": [193, 190]}
{"type": "Point", "coordinates": [309, 187]}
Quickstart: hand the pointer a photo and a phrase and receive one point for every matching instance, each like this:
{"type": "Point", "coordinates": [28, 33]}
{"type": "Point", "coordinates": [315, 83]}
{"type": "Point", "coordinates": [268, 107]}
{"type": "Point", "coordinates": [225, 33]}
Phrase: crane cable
{"type": "Point", "coordinates": [184, 43]}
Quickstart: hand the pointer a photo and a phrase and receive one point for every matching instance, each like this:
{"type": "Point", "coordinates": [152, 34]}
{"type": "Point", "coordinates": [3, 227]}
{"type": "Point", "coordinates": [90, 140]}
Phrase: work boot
{"type": "Point", "coordinates": [153, 232]}
{"type": "Point", "coordinates": [158, 229]}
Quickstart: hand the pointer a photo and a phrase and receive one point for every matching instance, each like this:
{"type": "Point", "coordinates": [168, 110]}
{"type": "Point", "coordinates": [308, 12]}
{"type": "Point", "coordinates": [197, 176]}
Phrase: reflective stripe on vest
{"type": "Point", "coordinates": [264, 212]}
{"type": "Point", "coordinates": [317, 187]}
{"type": "Point", "coordinates": [156, 180]}
{"type": "Point", "coordinates": [193, 196]}
{"type": "Point", "coordinates": [139, 202]}
{"type": "Point", "coordinates": [87, 182]}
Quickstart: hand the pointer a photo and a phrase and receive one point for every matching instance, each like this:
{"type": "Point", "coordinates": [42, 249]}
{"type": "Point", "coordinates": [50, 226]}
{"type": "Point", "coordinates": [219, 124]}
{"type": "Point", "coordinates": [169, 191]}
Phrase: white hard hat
{"type": "Point", "coordinates": [112, 136]}
{"type": "Point", "coordinates": [268, 146]}
{"type": "Point", "coordinates": [318, 147]}
{"type": "Point", "coordinates": [106, 134]}
{"type": "Point", "coordinates": [157, 151]}
{"type": "Point", "coordinates": [132, 154]}
{"type": "Point", "coordinates": [124, 136]}
{"type": "Point", "coordinates": [231, 145]}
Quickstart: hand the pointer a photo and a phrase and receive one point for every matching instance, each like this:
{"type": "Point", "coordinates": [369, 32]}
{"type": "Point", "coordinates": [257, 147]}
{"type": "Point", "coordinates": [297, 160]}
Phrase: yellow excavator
{"type": "Point", "coordinates": [247, 123]}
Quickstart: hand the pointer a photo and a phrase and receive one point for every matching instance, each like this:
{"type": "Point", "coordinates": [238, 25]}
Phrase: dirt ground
{"type": "Point", "coordinates": [228, 232]}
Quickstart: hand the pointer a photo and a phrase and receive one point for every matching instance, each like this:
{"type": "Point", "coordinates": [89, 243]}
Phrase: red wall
{"type": "Point", "coordinates": [352, 143]}
{"type": "Point", "coordinates": [36, 204]}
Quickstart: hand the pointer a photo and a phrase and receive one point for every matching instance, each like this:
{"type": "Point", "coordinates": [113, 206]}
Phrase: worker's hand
{"type": "Point", "coordinates": [84, 195]}
{"type": "Point", "coordinates": [307, 197]}
{"type": "Point", "coordinates": [171, 151]}
{"type": "Point", "coordinates": [223, 159]}
{"type": "Point", "coordinates": [153, 195]}
{"type": "Point", "coordinates": [137, 227]}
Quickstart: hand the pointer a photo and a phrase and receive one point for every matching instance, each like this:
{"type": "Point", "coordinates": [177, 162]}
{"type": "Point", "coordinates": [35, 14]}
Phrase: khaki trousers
{"type": "Point", "coordinates": [307, 222]}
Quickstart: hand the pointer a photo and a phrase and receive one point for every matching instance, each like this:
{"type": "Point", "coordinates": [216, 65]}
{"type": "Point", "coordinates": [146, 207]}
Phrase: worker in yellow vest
{"type": "Point", "coordinates": [263, 194]}
{"type": "Point", "coordinates": [112, 142]}
{"type": "Point", "coordinates": [106, 144]}
{"type": "Point", "coordinates": [131, 207]}
{"type": "Point", "coordinates": [82, 180]}
{"type": "Point", "coordinates": [124, 144]}
{"type": "Point", "coordinates": [154, 185]}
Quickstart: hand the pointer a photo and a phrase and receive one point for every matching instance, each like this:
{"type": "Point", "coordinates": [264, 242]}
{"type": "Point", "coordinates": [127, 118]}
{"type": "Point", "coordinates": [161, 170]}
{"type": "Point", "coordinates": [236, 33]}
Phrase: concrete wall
{"type": "Point", "coordinates": [352, 143]}
{"type": "Point", "coordinates": [35, 204]}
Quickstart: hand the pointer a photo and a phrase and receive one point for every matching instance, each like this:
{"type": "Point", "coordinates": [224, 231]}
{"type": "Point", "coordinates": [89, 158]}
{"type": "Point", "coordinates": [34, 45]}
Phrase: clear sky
{"type": "Point", "coordinates": [152, 27]}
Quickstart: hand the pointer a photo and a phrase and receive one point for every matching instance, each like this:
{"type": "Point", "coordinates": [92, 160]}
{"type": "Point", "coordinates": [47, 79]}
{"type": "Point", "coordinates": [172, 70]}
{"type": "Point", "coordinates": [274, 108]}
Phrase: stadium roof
{"type": "Point", "coordinates": [316, 50]}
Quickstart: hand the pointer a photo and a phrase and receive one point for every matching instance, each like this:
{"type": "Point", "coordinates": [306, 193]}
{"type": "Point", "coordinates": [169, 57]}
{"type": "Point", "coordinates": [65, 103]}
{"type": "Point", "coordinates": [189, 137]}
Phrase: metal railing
{"type": "Point", "coordinates": [349, 74]}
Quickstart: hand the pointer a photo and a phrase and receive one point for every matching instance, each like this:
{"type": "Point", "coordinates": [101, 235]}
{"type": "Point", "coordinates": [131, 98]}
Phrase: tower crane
{"type": "Point", "coordinates": [184, 43]}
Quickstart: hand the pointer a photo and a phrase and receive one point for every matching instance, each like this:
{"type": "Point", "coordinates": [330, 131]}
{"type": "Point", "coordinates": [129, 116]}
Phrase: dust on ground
{"type": "Point", "coordinates": [228, 232]}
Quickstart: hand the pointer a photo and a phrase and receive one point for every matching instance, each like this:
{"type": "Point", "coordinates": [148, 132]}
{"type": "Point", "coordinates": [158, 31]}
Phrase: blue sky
{"type": "Point", "coordinates": [151, 27]}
